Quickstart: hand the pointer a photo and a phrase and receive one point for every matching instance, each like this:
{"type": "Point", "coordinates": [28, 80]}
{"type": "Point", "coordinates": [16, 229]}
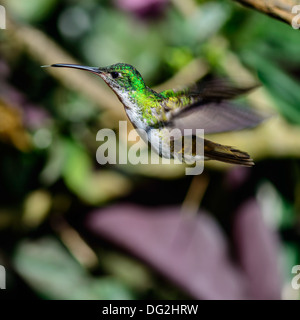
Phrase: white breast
{"type": "Point", "coordinates": [132, 112]}
{"type": "Point", "coordinates": [160, 142]}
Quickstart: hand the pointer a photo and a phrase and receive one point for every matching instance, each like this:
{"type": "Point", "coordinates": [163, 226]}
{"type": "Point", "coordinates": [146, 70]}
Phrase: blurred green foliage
{"type": "Point", "coordinates": [61, 166]}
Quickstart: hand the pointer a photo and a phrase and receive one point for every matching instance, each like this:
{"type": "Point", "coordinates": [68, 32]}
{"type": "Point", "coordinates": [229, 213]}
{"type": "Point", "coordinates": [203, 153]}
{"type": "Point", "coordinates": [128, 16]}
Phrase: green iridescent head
{"type": "Point", "coordinates": [120, 76]}
{"type": "Point", "coordinates": [123, 76]}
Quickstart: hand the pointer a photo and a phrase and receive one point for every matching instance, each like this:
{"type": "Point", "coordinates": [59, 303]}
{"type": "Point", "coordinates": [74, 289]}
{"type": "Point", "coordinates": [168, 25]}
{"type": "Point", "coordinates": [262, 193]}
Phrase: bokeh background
{"type": "Point", "coordinates": [73, 229]}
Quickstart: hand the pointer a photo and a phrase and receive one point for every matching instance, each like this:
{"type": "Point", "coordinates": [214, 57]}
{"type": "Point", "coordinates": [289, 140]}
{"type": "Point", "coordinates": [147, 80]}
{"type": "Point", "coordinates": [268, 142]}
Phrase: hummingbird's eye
{"type": "Point", "coordinates": [114, 74]}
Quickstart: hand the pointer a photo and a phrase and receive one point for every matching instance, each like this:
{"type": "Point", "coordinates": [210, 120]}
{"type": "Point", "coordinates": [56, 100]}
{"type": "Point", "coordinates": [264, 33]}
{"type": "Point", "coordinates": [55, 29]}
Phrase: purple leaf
{"type": "Point", "coordinates": [257, 248]}
{"type": "Point", "coordinates": [192, 253]}
{"type": "Point", "coordinates": [143, 9]}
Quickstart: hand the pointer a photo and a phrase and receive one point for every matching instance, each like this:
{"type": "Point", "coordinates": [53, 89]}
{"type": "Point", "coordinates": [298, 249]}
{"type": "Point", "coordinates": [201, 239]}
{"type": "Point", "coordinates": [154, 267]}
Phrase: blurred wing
{"type": "Point", "coordinates": [210, 90]}
{"type": "Point", "coordinates": [219, 89]}
{"type": "Point", "coordinates": [216, 117]}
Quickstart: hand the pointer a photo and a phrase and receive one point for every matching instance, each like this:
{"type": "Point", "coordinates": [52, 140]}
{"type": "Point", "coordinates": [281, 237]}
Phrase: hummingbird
{"type": "Point", "coordinates": [205, 105]}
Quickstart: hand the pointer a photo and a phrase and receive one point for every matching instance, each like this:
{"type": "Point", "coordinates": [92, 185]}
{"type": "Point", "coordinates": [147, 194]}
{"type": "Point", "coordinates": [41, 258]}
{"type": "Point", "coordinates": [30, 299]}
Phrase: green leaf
{"type": "Point", "coordinates": [31, 10]}
{"type": "Point", "coordinates": [77, 167]}
{"type": "Point", "coordinates": [284, 90]}
{"type": "Point", "coordinates": [52, 272]}
{"type": "Point", "coordinates": [92, 186]}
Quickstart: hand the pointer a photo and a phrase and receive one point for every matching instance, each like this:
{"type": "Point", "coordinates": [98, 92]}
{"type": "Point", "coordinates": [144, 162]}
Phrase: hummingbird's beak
{"type": "Point", "coordinates": [76, 66]}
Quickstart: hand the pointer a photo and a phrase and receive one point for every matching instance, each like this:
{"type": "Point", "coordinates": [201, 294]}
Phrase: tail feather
{"type": "Point", "coordinates": [215, 151]}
